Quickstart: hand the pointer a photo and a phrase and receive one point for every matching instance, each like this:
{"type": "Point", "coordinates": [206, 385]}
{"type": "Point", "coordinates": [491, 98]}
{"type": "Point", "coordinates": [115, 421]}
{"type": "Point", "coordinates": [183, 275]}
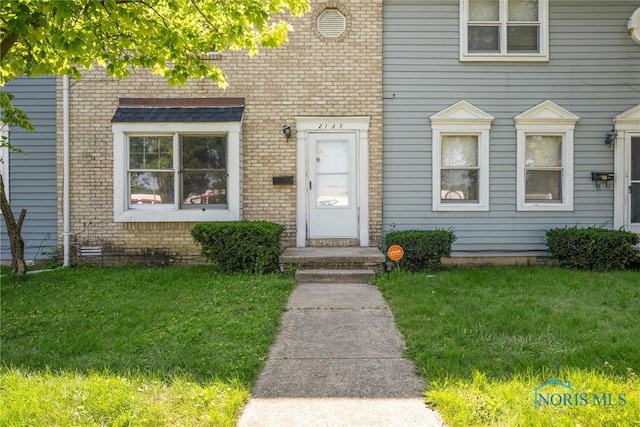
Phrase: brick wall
{"type": "Point", "coordinates": [311, 75]}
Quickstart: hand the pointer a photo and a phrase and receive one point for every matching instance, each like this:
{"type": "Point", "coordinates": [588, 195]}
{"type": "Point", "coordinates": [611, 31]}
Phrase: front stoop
{"type": "Point", "coordinates": [334, 264]}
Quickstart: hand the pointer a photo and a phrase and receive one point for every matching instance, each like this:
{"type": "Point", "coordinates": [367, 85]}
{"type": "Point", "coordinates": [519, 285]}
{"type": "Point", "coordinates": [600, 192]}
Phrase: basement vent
{"type": "Point", "coordinates": [90, 251]}
{"type": "Point", "coordinates": [332, 23]}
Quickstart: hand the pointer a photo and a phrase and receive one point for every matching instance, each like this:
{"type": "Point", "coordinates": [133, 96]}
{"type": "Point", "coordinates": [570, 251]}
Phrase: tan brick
{"type": "Point", "coordinates": [309, 76]}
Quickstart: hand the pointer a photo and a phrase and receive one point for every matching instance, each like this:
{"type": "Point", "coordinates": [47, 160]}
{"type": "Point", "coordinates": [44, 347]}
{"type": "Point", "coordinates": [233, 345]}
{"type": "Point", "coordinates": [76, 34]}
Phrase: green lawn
{"type": "Point", "coordinates": [182, 346]}
{"type": "Point", "coordinates": [484, 338]}
{"type": "Point", "coordinates": [132, 346]}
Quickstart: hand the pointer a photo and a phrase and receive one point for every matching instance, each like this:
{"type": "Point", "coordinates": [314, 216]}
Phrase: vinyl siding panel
{"type": "Point", "coordinates": [32, 177]}
{"type": "Point", "coordinates": [593, 71]}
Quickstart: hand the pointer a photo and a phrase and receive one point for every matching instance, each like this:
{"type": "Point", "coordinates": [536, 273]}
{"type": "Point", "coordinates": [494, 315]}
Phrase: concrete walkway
{"type": "Point", "coordinates": [337, 361]}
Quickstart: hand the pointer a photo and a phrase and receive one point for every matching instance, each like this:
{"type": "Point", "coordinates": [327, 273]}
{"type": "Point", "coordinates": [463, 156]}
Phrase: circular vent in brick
{"type": "Point", "coordinates": [332, 23]}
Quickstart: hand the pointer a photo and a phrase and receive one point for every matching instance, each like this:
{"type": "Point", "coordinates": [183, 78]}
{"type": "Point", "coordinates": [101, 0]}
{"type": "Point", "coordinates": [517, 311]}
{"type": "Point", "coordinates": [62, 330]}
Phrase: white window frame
{"type": "Point", "coordinates": [546, 119]}
{"type": "Point", "coordinates": [503, 56]}
{"type": "Point", "coordinates": [172, 213]}
{"type": "Point", "coordinates": [4, 158]}
{"type": "Point", "coordinates": [461, 118]}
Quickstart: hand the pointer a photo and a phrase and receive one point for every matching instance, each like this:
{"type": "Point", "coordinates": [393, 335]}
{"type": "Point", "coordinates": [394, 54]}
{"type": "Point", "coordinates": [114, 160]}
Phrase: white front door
{"type": "Point", "coordinates": [333, 207]}
{"type": "Point", "coordinates": [634, 185]}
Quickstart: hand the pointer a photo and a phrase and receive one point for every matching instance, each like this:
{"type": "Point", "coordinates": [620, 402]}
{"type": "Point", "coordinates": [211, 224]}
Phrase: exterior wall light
{"type": "Point", "coordinates": [286, 129]}
{"type": "Point", "coordinates": [611, 137]}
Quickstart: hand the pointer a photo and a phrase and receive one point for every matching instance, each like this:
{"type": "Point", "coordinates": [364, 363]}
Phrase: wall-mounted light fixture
{"type": "Point", "coordinates": [286, 129]}
{"type": "Point", "coordinates": [611, 136]}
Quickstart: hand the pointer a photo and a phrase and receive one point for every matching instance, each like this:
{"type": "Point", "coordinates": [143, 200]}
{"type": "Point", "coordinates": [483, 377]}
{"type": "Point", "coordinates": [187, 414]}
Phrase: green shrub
{"type": "Point", "coordinates": [592, 248]}
{"type": "Point", "coordinates": [240, 246]}
{"type": "Point", "coordinates": [423, 249]}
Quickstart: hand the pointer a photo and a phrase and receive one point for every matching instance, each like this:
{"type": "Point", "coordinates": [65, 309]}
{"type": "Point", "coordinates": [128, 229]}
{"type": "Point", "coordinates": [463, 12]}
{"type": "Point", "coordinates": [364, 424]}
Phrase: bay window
{"type": "Point", "coordinates": [198, 177]}
{"type": "Point", "coordinates": [177, 171]}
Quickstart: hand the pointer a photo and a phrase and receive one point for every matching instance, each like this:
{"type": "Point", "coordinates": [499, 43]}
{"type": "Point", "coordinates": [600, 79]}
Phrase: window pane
{"type": "Point", "coordinates": [151, 152]}
{"type": "Point", "coordinates": [523, 10]}
{"type": "Point", "coordinates": [483, 39]}
{"type": "Point", "coordinates": [154, 188]}
{"type": "Point", "coordinates": [484, 10]}
{"type": "Point", "coordinates": [332, 156]}
{"type": "Point", "coordinates": [459, 150]}
{"type": "Point", "coordinates": [522, 38]}
{"type": "Point", "coordinates": [333, 190]}
{"type": "Point", "coordinates": [543, 151]}
{"type": "Point", "coordinates": [543, 186]}
{"type": "Point", "coordinates": [204, 152]}
{"type": "Point", "coordinates": [204, 188]}
{"type": "Point", "coordinates": [459, 185]}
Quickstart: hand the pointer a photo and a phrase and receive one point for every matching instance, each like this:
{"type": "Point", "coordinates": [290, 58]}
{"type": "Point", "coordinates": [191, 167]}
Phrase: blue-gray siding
{"type": "Point", "coordinates": [593, 71]}
{"type": "Point", "coordinates": [32, 177]}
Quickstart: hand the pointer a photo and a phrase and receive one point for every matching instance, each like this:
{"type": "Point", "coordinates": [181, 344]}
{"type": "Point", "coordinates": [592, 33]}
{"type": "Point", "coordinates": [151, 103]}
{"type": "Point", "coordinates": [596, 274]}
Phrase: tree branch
{"type": "Point", "coordinates": [23, 214]}
{"type": "Point", "coordinates": [7, 43]}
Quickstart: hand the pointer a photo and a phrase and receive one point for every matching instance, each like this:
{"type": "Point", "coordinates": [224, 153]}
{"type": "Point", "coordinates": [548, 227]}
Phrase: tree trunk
{"type": "Point", "coordinates": [14, 231]}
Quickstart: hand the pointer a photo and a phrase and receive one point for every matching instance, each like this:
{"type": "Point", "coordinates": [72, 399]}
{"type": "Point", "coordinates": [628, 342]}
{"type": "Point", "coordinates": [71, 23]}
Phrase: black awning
{"type": "Point", "coordinates": [178, 114]}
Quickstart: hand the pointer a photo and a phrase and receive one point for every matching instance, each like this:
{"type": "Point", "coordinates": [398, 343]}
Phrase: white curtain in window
{"type": "Point", "coordinates": [523, 10]}
{"type": "Point", "coordinates": [459, 150]}
{"type": "Point", "coordinates": [543, 151]}
{"type": "Point", "coordinates": [484, 10]}
{"type": "Point", "coordinates": [543, 164]}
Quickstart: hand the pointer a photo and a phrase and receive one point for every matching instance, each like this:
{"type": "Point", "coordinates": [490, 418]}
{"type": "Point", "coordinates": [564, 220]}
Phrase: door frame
{"type": "Point", "coordinates": [627, 125]}
{"type": "Point", "coordinates": [306, 125]}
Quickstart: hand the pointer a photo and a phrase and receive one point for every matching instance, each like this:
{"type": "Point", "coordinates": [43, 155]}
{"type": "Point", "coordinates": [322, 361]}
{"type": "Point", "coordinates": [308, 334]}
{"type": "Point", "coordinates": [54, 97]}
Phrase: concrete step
{"type": "Point", "coordinates": [338, 257]}
{"type": "Point", "coordinates": [335, 275]}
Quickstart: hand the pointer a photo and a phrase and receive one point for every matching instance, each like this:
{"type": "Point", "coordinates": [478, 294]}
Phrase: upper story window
{"type": "Point", "coordinates": [177, 164]}
{"type": "Point", "coordinates": [461, 158]}
{"type": "Point", "coordinates": [504, 30]}
{"type": "Point", "coordinates": [545, 158]}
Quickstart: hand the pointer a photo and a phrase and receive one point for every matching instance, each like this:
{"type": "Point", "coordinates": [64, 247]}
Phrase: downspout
{"type": "Point", "coordinates": [66, 222]}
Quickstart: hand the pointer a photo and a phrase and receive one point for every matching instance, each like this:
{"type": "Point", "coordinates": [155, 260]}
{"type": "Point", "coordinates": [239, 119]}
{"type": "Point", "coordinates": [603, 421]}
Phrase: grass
{"type": "Point", "coordinates": [484, 338]}
{"type": "Point", "coordinates": [182, 346]}
{"type": "Point", "coordinates": [127, 346]}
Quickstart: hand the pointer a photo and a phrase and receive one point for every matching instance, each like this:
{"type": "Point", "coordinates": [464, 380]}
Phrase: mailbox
{"type": "Point", "coordinates": [283, 180]}
{"type": "Point", "coordinates": [602, 177]}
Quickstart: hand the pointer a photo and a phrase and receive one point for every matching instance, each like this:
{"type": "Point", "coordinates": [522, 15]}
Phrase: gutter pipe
{"type": "Point", "coordinates": [66, 223]}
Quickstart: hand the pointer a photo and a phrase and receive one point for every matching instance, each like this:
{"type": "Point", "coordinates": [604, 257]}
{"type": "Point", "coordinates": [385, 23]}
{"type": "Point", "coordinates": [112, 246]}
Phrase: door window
{"type": "Point", "coordinates": [332, 173]}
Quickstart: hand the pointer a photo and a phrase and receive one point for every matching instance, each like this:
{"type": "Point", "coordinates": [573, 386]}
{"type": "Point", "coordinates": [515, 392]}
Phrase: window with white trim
{"type": "Point", "coordinates": [460, 158]}
{"type": "Point", "coordinates": [545, 158]}
{"type": "Point", "coordinates": [504, 30]}
{"type": "Point", "coordinates": [196, 176]}
{"type": "Point", "coordinates": [176, 171]}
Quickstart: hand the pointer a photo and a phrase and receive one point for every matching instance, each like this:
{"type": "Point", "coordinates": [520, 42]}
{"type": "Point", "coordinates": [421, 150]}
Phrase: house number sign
{"type": "Point", "coordinates": [332, 125]}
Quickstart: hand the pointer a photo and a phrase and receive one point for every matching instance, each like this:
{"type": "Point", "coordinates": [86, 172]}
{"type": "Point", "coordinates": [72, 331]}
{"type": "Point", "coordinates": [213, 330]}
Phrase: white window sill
{"type": "Point", "coordinates": [184, 215]}
{"type": "Point", "coordinates": [532, 207]}
{"type": "Point", "coordinates": [460, 207]}
{"type": "Point", "coordinates": [481, 57]}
